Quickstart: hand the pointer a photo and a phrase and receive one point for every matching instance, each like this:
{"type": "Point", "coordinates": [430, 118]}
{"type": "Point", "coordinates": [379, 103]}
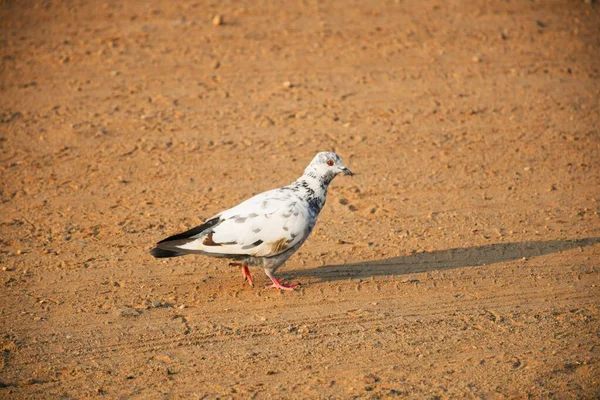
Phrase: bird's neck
{"type": "Point", "coordinates": [315, 188]}
{"type": "Point", "coordinates": [316, 182]}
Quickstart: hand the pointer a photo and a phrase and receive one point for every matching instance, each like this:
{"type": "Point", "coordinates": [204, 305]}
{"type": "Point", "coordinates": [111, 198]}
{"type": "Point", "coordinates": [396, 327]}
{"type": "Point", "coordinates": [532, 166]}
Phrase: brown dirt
{"type": "Point", "coordinates": [463, 259]}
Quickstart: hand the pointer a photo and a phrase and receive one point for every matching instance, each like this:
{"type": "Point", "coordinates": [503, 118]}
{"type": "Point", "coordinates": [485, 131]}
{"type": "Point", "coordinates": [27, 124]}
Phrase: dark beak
{"type": "Point", "coordinates": [346, 171]}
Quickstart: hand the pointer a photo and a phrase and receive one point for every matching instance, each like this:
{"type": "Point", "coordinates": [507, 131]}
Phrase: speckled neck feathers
{"type": "Point", "coordinates": [314, 185]}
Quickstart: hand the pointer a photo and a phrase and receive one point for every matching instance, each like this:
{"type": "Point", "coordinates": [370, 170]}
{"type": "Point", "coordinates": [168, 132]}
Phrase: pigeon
{"type": "Point", "coordinates": [265, 230]}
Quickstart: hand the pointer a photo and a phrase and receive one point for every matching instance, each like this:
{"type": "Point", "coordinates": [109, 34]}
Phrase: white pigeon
{"type": "Point", "coordinates": [265, 230]}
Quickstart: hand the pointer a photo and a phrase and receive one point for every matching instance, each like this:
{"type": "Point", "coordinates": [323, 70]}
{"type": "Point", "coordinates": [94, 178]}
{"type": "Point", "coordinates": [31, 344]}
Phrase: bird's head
{"type": "Point", "coordinates": [326, 165]}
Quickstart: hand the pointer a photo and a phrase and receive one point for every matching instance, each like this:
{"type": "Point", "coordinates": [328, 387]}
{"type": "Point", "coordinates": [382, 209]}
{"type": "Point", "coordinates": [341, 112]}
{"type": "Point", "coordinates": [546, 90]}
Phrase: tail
{"type": "Point", "coordinates": [162, 253]}
{"type": "Point", "coordinates": [167, 247]}
{"type": "Point", "coordinates": [192, 232]}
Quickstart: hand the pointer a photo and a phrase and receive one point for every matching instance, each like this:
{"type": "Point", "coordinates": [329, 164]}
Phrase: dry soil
{"type": "Point", "coordinates": [462, 260]}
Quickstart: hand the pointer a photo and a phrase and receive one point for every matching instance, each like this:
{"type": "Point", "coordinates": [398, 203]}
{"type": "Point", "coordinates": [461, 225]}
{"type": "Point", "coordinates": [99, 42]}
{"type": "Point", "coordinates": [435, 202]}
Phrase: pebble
{"type": "Point", "coordinates": [217, 20]}
{"type": "Point", "coordinates": [267, 122]}
{"type": "Point", "coordinates": [410, 280]}
{"type": "Point", "coordinates": [370, 378]}
{"type": "Point", "coordinates": [287, 84]}
{"type": "Point", "coordinates": [129, 312]}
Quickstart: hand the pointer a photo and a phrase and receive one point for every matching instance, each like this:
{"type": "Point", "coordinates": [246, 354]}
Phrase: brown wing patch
{"type": "Point", "coordinates": [208, 240]}
{"type": "Point", "coordinates": [279, 245]}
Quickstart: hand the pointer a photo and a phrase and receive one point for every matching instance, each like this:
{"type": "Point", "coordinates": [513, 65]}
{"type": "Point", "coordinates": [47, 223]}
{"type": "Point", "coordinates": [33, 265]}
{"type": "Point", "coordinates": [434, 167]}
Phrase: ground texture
{"type": "Point", "coordinates": [461, 260]}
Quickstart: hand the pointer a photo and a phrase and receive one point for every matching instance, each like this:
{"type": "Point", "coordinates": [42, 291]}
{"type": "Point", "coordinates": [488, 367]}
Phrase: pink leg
{"type": "Point", "coordinates": [245, 272]}
{"type": "Point", "coordinates": [247, 275]}
{"type": "Point", "coordinates": [278, 285]}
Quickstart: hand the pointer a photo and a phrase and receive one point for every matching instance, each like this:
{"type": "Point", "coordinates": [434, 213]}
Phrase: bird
{"type": "Point", "coordinates": [265, 230]}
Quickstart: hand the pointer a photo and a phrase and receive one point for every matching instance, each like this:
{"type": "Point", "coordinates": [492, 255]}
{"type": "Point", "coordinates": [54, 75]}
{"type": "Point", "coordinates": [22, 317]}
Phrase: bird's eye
{"type": "Point", "coordinates": [330, 163]}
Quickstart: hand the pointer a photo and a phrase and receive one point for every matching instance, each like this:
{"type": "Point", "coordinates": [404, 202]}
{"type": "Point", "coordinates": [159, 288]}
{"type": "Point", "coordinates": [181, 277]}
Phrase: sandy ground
{"type": "Point", "coordinates": [461, 260]}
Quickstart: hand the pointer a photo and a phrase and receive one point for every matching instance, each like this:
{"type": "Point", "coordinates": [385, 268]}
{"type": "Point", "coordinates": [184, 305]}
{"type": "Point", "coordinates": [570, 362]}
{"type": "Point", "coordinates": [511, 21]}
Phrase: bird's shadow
{"type": "Point", "coordinates": [440, 260]}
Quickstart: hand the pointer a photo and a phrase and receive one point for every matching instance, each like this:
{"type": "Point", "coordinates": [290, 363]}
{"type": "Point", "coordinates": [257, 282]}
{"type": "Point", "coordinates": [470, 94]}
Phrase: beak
{"type": "Point", "coordinates": [346, 171]}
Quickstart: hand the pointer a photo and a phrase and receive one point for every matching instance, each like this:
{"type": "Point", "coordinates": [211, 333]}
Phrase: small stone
{"type": "Point", "coordinates": [267, 122]}
{"type": "Point", "coordinates": [287, 84]}
{"type": "Point", "coordinates": [476, 59]}
{"type": "Point", "coordinates": [217, 20]}
{"type": "Point", "coordinates": [128, 312]}
{"type": "Point", "coordinates": [304, 329]}
{"type": "Point", "coordinates": [292, 329]}
{"type": "Point", "coordinates": [370, 379]}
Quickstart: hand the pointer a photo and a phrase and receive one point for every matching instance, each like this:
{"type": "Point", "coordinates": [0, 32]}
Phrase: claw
{"type": "Point", "coordinates": [278, 285]}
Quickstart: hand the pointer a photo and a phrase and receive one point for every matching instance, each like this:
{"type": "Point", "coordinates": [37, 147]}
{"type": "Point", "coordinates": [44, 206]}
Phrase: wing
{"type": "Point", "coordinates": [262, 226]}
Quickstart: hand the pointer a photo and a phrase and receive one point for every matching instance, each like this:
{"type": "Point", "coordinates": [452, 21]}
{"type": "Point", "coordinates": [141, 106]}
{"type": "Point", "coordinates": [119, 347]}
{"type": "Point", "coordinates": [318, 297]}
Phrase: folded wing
{"type": "Point", "coordinates": [263, 226]}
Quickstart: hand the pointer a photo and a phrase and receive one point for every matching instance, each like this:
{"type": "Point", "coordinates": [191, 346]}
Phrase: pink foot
{"type": "Point", "coordinates": [247, 275]}
{"type": "Point", "coordinates": [278, 285]}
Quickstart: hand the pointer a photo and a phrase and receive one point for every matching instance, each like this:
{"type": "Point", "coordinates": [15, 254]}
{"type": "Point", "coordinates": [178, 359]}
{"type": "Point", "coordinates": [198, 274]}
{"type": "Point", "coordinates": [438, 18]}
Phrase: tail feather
{"type": "Point", "coordinates": [162, 253]}
{"type": "Point", "coordinates": [193, 232]}
{"type": "Point", "coordinates": [168, 247]}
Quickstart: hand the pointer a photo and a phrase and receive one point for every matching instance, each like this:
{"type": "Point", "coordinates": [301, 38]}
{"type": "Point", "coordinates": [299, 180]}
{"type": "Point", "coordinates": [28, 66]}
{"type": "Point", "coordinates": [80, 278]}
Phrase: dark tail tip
{"type": "Point", "coordinates": [162, 253]}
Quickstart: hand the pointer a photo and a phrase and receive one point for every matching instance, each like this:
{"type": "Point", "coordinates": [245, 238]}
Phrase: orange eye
{"type": "Point", "coordinates": [330, 163]}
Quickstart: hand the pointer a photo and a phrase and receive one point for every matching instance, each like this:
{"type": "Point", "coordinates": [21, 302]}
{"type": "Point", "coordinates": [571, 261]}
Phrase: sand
{"type": "Point", "coordinates": [462, 260]}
